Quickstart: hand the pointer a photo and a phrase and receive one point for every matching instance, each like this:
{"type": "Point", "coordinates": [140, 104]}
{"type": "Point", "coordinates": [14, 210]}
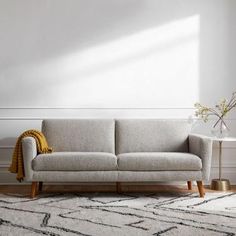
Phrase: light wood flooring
{"type": "Point", "coordinates": [25, 189]}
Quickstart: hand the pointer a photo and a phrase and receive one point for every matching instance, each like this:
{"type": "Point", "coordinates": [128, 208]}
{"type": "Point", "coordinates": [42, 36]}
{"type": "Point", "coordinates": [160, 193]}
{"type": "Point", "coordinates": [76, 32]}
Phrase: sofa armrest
{"type": "Point", "coordinates": [202, 146]}
{"type": "Point", "coordinates": [29, 153]}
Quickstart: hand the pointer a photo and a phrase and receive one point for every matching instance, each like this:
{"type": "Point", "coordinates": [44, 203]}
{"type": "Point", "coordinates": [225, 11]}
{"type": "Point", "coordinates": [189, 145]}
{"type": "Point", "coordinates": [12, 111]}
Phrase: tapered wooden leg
{"type": "Point", "coordinates": [200, 188]}
{"type": "Point", "coordinates": [34, 189]}
{"type": "Point", "coordinates": [118, 187]}
{"type": "Point", "coordinates": [40, 186]}
{"type": "Point", "coordinates": [189, 185]}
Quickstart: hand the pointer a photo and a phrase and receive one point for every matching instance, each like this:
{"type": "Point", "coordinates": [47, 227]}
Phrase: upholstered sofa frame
{"type": "Point", "coordinates": [122, 150]}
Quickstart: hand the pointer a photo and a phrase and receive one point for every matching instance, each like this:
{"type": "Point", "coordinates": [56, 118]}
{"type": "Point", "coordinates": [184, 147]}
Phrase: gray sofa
{"type": "Point", "coordinates": [128, 150]}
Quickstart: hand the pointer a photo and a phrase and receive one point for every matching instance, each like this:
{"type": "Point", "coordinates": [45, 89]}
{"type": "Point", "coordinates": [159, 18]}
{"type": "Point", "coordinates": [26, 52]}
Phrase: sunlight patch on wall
{"type": "Point", "coordinates": [157, 67]}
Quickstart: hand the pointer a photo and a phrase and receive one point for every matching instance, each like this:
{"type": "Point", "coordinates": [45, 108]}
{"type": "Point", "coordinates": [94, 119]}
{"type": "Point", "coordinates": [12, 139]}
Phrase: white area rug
{"type": "Point", "coordinates": [119, 214]}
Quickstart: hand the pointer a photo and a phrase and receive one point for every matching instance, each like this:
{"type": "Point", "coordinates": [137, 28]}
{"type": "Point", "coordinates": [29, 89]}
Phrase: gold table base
{"type": "Point", "coordinates": [220, 184]}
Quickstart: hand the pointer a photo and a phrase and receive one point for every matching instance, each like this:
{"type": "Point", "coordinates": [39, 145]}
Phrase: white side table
{"type": "Point", "coordinates": [221, 184]}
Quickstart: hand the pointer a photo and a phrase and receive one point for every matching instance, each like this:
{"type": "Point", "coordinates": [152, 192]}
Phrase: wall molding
{"type": "Point", "coordinates": [5, 165]}
{"type": "Point", "coordinates": [42, 118]}
{"type": "Point", "coordinates": [33, 118]}
{"type": "Point", "coordinates": [6, 147]}
{"type": "Point", "coordinates": [65, 117]}
{"type": "Point", "coordinates": [96, 108]}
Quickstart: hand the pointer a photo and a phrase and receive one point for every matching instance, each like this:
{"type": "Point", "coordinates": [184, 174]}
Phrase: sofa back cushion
{"type": "Point", "coordinates": [149, 135]}
{"type": "Point", "coordinates": [80, 135]}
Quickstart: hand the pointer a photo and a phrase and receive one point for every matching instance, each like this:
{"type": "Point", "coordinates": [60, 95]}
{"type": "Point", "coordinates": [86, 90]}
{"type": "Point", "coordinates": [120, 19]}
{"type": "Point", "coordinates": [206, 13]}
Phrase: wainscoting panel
{"type": "Point", "coordinates": [11, 129]}
{"type": "Point", "coordinates": [13, 121]}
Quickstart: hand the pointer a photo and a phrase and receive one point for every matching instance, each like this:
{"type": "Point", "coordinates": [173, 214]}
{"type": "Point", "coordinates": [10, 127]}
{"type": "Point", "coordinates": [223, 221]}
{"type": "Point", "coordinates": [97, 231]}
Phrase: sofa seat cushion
{"type": "Point", "coordinates": [73, 161]}
{"type": "Point", "coordinates": [155, 161]}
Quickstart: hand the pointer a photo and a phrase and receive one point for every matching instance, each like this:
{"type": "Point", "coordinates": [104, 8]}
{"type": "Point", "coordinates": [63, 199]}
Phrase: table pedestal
{"type": "Point", "coordinates": [220, 184]}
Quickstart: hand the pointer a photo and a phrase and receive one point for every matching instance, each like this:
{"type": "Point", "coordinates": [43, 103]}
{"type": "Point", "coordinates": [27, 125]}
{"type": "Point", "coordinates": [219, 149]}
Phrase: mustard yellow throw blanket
{"type": "Point", "coordinates": [17, 165]}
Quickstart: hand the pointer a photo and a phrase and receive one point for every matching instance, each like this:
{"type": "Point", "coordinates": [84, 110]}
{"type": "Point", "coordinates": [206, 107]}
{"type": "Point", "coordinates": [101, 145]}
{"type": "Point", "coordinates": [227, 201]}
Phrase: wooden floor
{"type": "Point", "coordinates": [25, 189]}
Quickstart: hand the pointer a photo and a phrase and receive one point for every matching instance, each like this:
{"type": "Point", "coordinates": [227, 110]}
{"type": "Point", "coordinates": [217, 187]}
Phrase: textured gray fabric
{"type": "Point", "coordinates": [202, 146]}
{"type": "Point", "coordinates": [75, 176]}
{"type": "Point", "coordinates": [80, 135]}
{"type": "Point", "coordinates": [142, 176]}
{"type": "Point", "coordinates": [151, 161]}
{"type": "Point", "coordinates": [113, 176]}
{"type": "Point", "coordinates": [29, 153]}
{"type": "Point", "coordinates": [149, 135]}
{"type": "Point", "coordinates": [168, 137]}
{"type": "Point", "coordinates": [72, 161]}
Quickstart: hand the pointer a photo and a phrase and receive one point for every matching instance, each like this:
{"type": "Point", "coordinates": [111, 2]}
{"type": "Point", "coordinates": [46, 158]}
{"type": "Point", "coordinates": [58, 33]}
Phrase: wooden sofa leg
{"type": "Point", "coordinates": [34, 186]}
{"type": "Point", "coordinates": [118, 187]}
{"type": "Point", "coordinates": [40, 186]}
{"type": "Point", "coordinates": [189, 185]}
{"type": "Point", "coordinates": [200, 188]}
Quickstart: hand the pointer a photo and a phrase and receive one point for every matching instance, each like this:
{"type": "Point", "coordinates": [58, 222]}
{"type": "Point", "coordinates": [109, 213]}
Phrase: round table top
{"type": "Point", "coordinates": [226, 139]}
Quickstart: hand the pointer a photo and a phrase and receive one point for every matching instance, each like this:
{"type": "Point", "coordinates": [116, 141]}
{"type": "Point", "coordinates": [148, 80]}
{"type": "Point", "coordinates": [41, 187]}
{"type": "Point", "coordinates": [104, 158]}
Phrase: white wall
{"type": "Point", "coordinates": [110, 58]}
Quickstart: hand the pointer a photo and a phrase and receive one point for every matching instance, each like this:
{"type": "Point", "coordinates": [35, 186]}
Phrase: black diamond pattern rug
{"type": "Point", "coordinates": [159, 214]}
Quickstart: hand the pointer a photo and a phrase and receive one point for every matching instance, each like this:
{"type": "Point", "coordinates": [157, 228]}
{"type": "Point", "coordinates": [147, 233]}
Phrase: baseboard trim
{"type": "Point", "coordinates": [7, 178]}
